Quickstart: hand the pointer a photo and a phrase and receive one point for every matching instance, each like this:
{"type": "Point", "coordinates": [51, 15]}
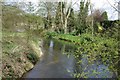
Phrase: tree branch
{"type": "Point", "coordinates": [113, 6]}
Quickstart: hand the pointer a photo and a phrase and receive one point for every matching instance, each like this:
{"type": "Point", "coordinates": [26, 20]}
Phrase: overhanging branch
{"type": "Point", "coordinates": [113, 6]}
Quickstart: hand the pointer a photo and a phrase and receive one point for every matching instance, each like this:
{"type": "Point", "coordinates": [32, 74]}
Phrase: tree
{"type": "Point", "coordinates": [58, 18]}
{"type": "Point", "coordinates": [62, 14]}
{"type": "Point", "coordinates": [81, 20]}
{"type": "Point", "coordinates": [65, 14]}
{"type": "Point", "coordinates": [98, 16]}
{"type": "Point", "coordinates": [46, 10]}
{"type": "Point", "coordinates": [29, 7]}
{"type": "Point", "coordinates": [71, 22]}
{"type": "Point", "coordinates": [104, 16]}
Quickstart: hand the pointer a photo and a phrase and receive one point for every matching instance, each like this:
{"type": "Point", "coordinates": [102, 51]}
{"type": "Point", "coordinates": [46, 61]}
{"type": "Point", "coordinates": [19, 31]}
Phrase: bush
{"type": "Point", "coordinates": [51, 34]}
{"type": "Point", "coordinates": [32, 57]}
{"type": "Point", "coordinates": [98, 48]}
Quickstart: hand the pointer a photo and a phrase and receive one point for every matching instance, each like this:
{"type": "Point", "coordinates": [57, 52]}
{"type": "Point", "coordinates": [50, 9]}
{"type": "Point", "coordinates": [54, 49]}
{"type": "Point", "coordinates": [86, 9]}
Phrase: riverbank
{"type": "Point", "coordinates": [75, 39]}
{"type": "Point", "coordinates": [19, 55]}
{"type": "Point", "coordinates": [96, 47]}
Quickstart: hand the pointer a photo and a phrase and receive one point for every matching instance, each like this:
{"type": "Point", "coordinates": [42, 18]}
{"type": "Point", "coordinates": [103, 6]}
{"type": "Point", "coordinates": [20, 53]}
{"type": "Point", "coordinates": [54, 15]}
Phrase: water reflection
{"type": "Point", "coordinates": [51, 48]}
{"type": "Point", "coordinates": [95, 69]}
{"type": "Point", "coordinates": [51, 43]}
{"type": "Point", "coordinates": [55, 63]}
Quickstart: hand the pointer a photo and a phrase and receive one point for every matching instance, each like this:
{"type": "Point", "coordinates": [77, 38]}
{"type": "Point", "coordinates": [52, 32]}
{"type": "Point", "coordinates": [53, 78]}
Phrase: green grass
{"type": "Point", "coordinates": [65, 37]}
{"type": "Point", "coordinates": [70, 38]}
{"type": "Point", "coordinates": [84, 38]}
{"type": "Point", "coordinates": [17, 53]}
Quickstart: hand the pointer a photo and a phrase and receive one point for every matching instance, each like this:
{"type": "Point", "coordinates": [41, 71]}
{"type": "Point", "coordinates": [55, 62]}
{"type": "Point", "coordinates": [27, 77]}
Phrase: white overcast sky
{"type": "Point", "coordinates": [97, 4]}
{"type": "Point", "coordinates": [104, 4]}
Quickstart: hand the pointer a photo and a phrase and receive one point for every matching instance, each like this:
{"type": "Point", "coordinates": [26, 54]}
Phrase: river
{"type": "Point", "coordinates": [55, 63]}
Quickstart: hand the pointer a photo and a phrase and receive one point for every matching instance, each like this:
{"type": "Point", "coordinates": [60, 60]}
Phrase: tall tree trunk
{"type": "Point", "coordinates": [61, 14]}
{"type": "Point", "coordinates": [92, 22]}
{"type": "Point", "coordinates": [65, 26]}
{"type": "Point", "coordinates": [66, 20]}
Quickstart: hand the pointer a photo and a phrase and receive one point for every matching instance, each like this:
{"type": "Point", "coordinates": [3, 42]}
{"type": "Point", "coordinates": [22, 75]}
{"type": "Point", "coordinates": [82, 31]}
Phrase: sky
{"type": "Point", "coordinates": [101, 4]}
{"type": "Point", "coordinates": [97, 4]}
{"type": "Point", "coordinates": [104, 4]}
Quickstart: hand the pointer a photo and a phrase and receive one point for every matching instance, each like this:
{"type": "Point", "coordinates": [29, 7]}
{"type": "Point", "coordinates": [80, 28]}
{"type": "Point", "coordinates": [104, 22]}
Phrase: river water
{"type": "Point", "coordinates": [55, 63]}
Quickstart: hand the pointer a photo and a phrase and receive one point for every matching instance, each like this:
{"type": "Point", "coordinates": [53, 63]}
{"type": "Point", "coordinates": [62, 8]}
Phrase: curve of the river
{"type": "Point", "coordinates": [56, 64]}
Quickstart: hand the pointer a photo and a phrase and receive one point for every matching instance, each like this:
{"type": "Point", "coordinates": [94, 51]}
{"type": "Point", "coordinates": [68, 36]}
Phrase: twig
{"type": "Point", "coordinates": [113, 6]}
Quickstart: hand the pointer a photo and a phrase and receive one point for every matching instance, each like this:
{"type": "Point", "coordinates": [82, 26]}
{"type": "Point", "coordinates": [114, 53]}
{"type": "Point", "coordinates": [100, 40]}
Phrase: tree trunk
{"type": "Point", "coordinates": [61, 14]}
{"type": "Point", "coordinates": [66, 20]}
{"type": "Point", "coordinates": [92, 22]}
{"type": "Point", "coordinates": [65, 26]}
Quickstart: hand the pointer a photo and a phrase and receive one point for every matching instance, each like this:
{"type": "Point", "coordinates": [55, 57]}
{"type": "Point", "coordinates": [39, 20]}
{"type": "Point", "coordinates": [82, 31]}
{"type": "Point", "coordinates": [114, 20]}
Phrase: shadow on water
{"type": "Point", "coordinates": [55, 63]}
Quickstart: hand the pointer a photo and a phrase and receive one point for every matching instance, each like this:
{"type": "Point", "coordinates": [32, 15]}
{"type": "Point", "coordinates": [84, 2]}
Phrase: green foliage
{"type": "Point", "coordinates": [51, 34]}
{"type": "Point", "coordinates": [98, 48]}
{"type": "Point", "coordinates": [17, 26]}
{"type": "Point", "coordinates": [98, 28]}
{"type": "Point", "coordinates": [97, 17]}
{"type": "Point", "coordinates": [10, 17]}
{"type": "Point", "coordinates": [47, 22]}
{"type": "Point", "coordinates": [104, 15]}
{"type": "Point", "coordinates": [68, 37]}
{"type": "Point", "coordinates": [32, 57]}
{"type": "Point", "coordinates": [58, 16]}
{"type": "Point", "coordinates": [102, 46]}
{"type": "Point", "coordinates": [71, 22]}
{"type": "Point", "coordinates": [81, 24]}
{"type": "Point", "coordinates": [112, 31]}
{"type": "Point", "coordinates": [14, 19]}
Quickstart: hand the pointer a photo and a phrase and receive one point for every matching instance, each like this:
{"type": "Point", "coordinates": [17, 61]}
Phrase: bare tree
{"type": "Point", "coordinates": [66, 14]}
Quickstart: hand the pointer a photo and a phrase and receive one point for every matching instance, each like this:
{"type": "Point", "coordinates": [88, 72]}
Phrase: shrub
{"type": "Point", "coordinates": [98, 48]}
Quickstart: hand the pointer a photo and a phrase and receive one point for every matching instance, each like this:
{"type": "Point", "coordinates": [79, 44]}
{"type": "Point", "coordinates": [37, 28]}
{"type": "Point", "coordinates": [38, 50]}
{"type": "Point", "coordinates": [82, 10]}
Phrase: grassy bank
{"type": "Point", "coordinates": [64, 37]}
{"type": "Point", "coordinates": [96, 47]}
{"type": "Point", "coordinates": [70, 38]}
{"type": "Point", "coordinates": [18, 55]}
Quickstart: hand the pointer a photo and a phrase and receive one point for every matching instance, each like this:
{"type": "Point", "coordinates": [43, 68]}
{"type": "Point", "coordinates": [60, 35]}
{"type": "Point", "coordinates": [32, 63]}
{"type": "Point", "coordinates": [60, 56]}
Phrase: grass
{"type": "Point", "coordinates": [65, 37]}
{"type": "Point", "coordinates": [83, 38]}
{"type": "Point", "coordinates": [32, 57]}
{"type": "Point", "coordinates": [70, 38]}
{"type": "Point", "coordinates": [18, 55]}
